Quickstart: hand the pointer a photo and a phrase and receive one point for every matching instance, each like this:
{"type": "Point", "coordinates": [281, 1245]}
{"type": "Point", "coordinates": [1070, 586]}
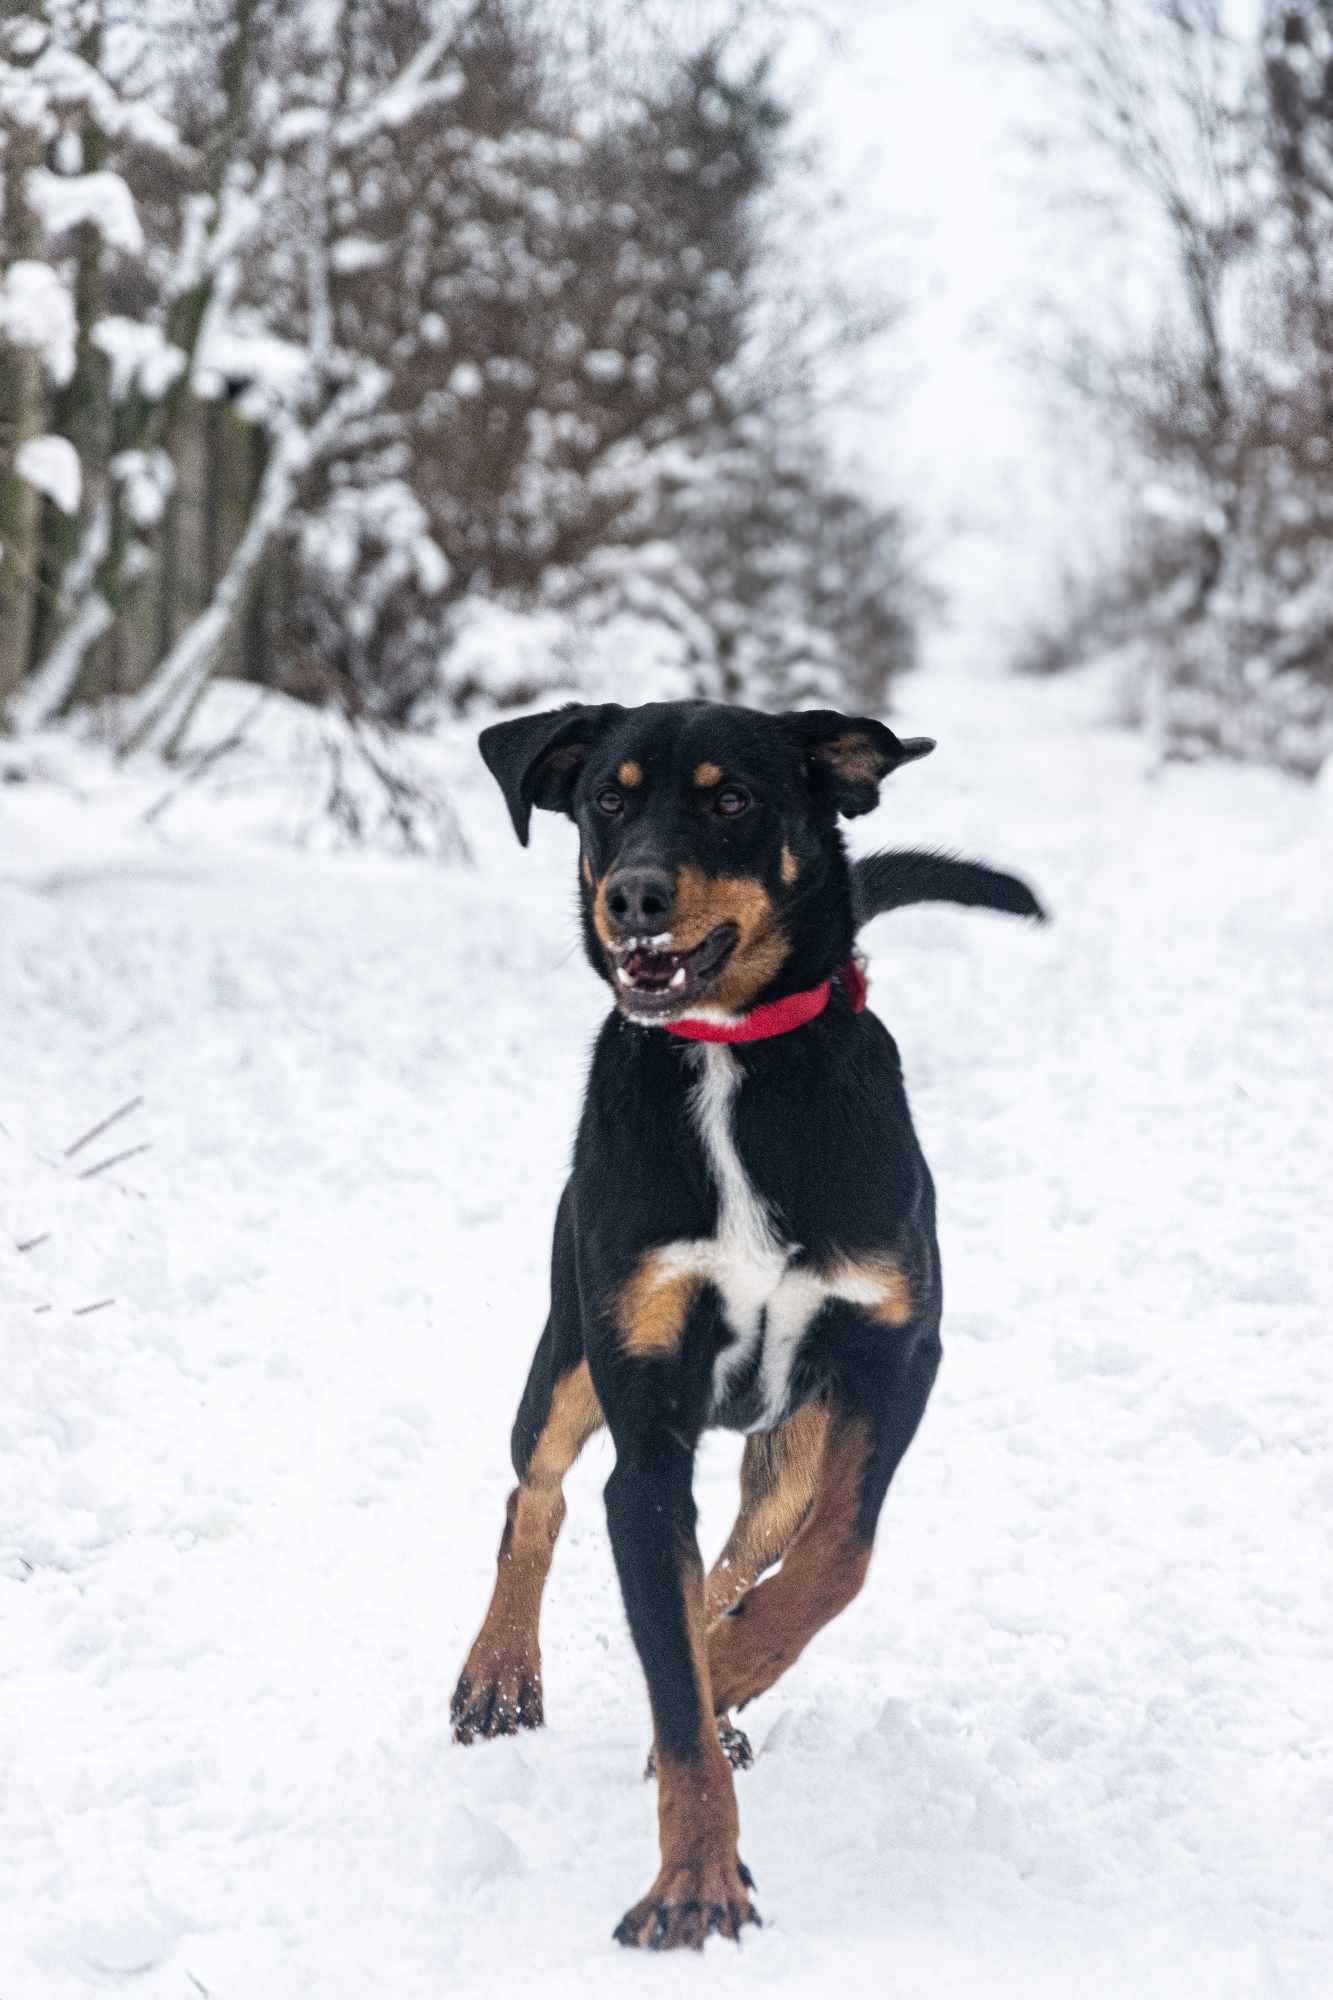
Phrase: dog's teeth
{"type": "Point", "coordinates": [662, 942]}
{"type": "Point", "coordinates": [678, 976]}
{"type": "Point", "coordinates": [623, 976]}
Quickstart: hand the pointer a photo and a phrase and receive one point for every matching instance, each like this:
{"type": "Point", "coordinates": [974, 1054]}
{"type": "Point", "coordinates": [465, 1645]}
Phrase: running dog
{"type": "Point", "coordinates": [747, 1238]}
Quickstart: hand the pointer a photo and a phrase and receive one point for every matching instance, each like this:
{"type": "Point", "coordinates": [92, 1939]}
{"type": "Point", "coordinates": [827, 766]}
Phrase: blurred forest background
{"type": "Point", "coordinates": [410, 358]}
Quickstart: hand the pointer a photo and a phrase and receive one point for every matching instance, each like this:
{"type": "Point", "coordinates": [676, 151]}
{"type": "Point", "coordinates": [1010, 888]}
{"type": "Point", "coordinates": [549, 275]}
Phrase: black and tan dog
{"type": "Point", "coordinates": [747, 1238]}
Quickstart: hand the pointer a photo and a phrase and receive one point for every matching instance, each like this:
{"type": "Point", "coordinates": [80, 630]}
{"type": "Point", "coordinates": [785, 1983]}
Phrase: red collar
{"type": "Point", "coordinates": [777, 1017]}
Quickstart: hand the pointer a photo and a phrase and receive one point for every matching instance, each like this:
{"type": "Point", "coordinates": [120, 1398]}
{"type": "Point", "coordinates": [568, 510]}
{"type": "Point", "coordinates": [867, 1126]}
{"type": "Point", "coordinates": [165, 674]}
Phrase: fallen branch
{"type": "Point", "coordinates": [204, 762]}
{"type": "Point", "coordinates": [48, 689]}
{"type": "Point", "coordinates": [96, 1131]}
{"type": "Point", "coordinates": [90, 1173]}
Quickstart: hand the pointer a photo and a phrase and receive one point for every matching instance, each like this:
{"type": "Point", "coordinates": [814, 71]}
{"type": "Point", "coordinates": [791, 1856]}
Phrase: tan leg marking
{"type": "Point", "coordinates": [779, 1479]}
{"type": "Point", "coordinates": [587, 871]}
{"type": "Point", "coordinates": [823, 1571]}
{"type": "Point", "coordinates": [879, 1285]}
{"type": "Point", "coordinates": [500, 1689]}
{"type": "Point", "coordinates": [653, 1306]}
{"type": "Point", "coordinates": [701, 1887]}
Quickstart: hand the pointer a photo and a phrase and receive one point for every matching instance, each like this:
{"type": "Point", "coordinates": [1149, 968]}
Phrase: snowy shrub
{"type": "Point", "coordinates": [1221, 401]}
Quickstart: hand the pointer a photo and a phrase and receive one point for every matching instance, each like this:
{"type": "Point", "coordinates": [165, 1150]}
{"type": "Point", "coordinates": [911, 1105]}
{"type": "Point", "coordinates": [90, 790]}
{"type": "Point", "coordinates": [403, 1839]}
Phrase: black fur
{"type": "Point", "coordinates": [892, 881]}
{"type": "Point", "coordinates": [819, 1118]}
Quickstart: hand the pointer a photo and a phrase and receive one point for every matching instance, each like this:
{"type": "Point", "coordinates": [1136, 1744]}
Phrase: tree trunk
{"type": "Point", "coordinates": [20, 419]}
{"type": "Point", "coordinates": [79, 409]}
{"type": "Point", "coordinates": [144, 424]}
{"type": "Point", "coordinates": [159, 715]}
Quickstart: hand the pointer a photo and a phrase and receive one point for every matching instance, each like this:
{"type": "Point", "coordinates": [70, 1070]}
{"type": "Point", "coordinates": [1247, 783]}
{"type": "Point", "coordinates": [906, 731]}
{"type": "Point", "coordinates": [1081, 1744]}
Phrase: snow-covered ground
{"type": "Point", "coordinates": [1076, 1736]}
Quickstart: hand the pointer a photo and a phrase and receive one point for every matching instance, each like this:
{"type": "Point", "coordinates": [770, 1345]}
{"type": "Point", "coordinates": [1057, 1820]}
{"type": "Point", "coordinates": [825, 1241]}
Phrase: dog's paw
{"type": "Point", "coordinates": [689, 1904]}
{"type": "Point", "coordinates": [735, 1747]}
{"type": "Point", "coordinates": [503, 1699]}
{"type": "Point", "coordinates": [735, 1744]}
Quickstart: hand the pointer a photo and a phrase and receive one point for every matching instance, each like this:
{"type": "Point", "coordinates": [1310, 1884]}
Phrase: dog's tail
{"type": "Point", "coordinates": [910, 875]}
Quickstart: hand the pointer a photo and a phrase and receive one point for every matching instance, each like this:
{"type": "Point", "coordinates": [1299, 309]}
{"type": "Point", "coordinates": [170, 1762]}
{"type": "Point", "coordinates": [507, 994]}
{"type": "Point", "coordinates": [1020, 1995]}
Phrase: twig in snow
{"type": "Point", "coordinates": [90, 1172]}
{"type": "Point", "coordinates": [33, 1242]}
{"type": "Point", "coordinates": [105, 1126]}
{"type": "Point", "coordinates": [98, 1305]}
{"type": "Point", "coordinates": [204, 761]}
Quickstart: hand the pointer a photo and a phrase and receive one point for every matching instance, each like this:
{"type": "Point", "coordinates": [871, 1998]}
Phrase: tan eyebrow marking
{"type": "Point", "coordinates": [791, 867]}
{"type": "Point", "coordinates": [630, 774]}
{"type": "Point", "coordinates": [707, 774]}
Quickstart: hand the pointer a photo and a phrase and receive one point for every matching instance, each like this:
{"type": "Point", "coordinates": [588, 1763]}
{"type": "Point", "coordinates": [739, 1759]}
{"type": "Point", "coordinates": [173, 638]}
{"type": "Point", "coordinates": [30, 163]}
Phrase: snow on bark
{"type": "Point", "coordinates": [51, 464]}
{"type": "Point", "coordinates": [45, 692]}
{"type": "Point", "coordinates": [65, 201]}
{"type": "Point", "coordinates": [60, 81]}
{"type": "Point", "coordinates": [36, 311]}
{"type": "Point", "coordinates": [146, 480]}
{"type": "Point", "coordinates": [142, 360]}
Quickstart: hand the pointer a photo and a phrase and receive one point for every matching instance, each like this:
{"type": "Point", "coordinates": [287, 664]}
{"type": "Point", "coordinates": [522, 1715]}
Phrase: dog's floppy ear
{"type": "Point", "coordinates": [537, 759]}
{"type": "Point", "coordinates": [847, 757]}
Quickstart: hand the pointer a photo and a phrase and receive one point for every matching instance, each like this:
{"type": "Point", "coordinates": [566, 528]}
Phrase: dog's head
{"type": "Point", "coordinates": [712, 872]}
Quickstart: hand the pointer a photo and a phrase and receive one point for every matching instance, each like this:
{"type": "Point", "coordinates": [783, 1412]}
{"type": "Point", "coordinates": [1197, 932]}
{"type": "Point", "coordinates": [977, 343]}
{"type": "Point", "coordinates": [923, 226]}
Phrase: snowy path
{"type": "Point", "coordinates": [1077, 1735]}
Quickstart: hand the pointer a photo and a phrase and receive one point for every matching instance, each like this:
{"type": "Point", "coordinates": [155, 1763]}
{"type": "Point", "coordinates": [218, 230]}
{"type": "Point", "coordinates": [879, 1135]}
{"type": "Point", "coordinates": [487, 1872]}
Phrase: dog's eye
{"type": "Point", "coordinates": [732, 801]}
{"type": "Point", "coordinates": [609, 801]}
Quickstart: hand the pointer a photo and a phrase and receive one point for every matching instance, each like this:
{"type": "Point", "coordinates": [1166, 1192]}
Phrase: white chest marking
{"type": "Point", "coordinates": [747, 1261]}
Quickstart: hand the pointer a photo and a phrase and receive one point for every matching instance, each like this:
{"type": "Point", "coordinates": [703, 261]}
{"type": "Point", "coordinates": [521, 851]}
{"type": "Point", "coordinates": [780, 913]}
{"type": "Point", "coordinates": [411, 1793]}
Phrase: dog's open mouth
{"type": "Point", "coordinates": [654, 981]}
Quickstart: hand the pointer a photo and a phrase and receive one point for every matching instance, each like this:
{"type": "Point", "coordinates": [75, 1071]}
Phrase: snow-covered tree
{"type": "Point", "coordinates": [486, 333]}
{"type": "Point", "coordinates": [1216, 147]}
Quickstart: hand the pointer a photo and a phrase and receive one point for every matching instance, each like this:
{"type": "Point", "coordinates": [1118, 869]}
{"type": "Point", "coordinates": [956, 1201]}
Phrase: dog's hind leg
{"type": "Point", "coordinates": [500, 1688]}
{"type": "Point", "coordinates": [779, 1476]}
{"type": "Point", "coordinates": [779, 1479]}
{"type": "Point", "coordinates": [827, 1562]}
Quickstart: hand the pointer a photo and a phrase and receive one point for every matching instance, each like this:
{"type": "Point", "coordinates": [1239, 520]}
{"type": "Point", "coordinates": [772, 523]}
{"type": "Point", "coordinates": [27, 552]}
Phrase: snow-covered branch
{"type": "Point", "coordinates": [420, 86]}
{"type": "Point", "coordinates": [158, 715]}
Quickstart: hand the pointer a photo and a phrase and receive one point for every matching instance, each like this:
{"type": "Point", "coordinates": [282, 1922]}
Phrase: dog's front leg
{"type": "Point", "coordinates": [702, 1885]}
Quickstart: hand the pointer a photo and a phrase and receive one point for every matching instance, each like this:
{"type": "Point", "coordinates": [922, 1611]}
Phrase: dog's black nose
{"type": "Point", "coordinates": [638, 901]}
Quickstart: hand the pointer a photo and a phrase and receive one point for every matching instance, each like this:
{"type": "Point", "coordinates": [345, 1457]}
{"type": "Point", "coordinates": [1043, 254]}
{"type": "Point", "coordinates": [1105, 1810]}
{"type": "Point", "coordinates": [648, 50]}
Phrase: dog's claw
{"type": "Point", "coordinates": [506, 1703]}
{"type": "Point", "coordinates": [736, 1748]}
{"type": "Point", "coordinates": [666, 1922]}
